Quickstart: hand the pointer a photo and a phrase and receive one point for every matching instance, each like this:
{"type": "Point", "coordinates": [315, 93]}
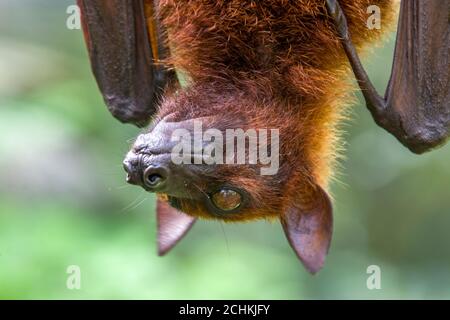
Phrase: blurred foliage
{"type": "Point", "coordinates": [63, 200]}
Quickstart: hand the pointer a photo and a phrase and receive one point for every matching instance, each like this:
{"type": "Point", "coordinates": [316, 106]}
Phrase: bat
{"type": "Point", "coordinates": [249, 67]}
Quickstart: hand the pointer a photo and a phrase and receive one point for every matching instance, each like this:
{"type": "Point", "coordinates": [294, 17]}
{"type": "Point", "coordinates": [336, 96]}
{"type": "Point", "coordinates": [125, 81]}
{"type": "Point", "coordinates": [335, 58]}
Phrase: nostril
{"type": "Point", "coordinates": [129, 170]}
{"type": "Point", "coordinates": [127, 167]}
{"type": "Point", "coordinates": [155, 176]}
{"type": "Point", "coordinates": [129, 179]}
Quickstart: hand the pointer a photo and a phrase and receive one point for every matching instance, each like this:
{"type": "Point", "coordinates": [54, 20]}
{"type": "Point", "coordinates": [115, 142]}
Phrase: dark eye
{"type": "Point", "coordinates": [226, 199]}
{"type": "Point", "coordinates": [154, 177]}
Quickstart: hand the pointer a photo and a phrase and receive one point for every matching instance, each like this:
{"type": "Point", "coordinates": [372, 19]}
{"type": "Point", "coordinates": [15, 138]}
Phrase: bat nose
{"type": "Point", "coordinates": [132, 172]}
{"type": "Point", "coordinates": [159, 174]}
{"type": "Point", "coordinates": [152, 175]}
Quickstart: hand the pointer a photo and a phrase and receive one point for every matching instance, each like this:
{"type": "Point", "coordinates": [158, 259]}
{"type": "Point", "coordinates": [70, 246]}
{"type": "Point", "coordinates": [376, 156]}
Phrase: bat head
{"type": "Point", "coordinates": [215, 153]}
{"type": "Point", "coordinates": [247, 139]}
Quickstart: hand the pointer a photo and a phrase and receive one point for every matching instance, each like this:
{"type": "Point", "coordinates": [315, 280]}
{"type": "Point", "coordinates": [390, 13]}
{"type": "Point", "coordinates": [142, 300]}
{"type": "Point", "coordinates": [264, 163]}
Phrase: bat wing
{"type": "Point", "coordinates": [125, 44]}
{"type": "Point", "coordinates": [416, 106]}
{"type": "Point", "coordinates": [418, 95]}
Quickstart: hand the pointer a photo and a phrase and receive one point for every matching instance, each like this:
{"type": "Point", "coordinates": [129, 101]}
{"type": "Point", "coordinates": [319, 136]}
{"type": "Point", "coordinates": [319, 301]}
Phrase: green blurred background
{"type": "Point", "coordinates": [63, 199]}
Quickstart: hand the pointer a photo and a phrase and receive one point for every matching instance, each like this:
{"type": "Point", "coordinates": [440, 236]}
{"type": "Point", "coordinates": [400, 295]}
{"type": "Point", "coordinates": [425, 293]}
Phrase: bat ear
{"type": "Point", "coordinates": [172, 226]}
{"type": "Point", "coordinates": [308, 227]}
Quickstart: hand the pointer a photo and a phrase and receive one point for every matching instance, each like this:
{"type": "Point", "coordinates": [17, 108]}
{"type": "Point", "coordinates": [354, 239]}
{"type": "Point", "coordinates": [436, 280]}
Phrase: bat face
{"type": "Point", "coordinates": [185, 158]}
{"type": "Point", "coordinates": [254, 135]}
{"type": "Point", "coordinates": [276, 84]}
{"type": "Point", "coordinates": [207, 167]}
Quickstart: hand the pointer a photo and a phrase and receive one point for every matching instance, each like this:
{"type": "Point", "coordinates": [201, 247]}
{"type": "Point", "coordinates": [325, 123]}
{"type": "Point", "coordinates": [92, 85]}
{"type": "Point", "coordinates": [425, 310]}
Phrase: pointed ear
{"type": "Point", "coordinates": [172, 226]}
{"type": "Point", "coordinates": [308, 227]}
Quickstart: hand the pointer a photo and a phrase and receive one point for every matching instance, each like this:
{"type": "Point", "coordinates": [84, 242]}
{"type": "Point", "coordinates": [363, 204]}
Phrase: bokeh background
{"type": "Point", "coordinates": [63, 199]}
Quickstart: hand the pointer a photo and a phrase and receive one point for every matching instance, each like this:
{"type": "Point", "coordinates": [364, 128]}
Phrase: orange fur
{"type": "Point", "coordinates": [267, 64]}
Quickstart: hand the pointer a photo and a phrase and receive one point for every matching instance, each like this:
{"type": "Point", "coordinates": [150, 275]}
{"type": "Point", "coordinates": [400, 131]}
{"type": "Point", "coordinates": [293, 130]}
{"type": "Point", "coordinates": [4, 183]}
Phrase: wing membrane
{"type": "Point", "coordinates": [416, 106]}
{"type": "Point", "coordinates": [124, 43]}
{"type": "Point", "coordinates": [419, 89]}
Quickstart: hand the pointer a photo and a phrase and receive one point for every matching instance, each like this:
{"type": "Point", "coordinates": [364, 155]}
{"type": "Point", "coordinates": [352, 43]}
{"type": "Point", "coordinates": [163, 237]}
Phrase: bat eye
{"type": "Point", "coordinates": [226, 199]}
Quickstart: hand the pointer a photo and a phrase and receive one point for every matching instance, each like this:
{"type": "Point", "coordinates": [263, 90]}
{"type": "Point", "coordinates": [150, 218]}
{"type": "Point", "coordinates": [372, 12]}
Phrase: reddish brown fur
{"type": "Point", "coordinates": [267, 64]}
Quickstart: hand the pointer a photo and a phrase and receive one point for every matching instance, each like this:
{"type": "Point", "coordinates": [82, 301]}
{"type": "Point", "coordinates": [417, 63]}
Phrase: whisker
{"type": "Point", "coordinates": [136, 205]}
{"type": "Point", "coordinates": [226, 238]}
{"type": "Point", "coordinates": [124, 186]}
{"type": "Point", "coordinates": [131, 140]}
{"type": "Point", "coordinates": [199, 189]}
{"type": "Point", "coordinates": [127, 208]}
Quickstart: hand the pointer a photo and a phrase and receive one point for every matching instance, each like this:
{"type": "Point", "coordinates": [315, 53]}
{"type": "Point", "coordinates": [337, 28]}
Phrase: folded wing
{"type": "Point", "coordinates": [126, 44]}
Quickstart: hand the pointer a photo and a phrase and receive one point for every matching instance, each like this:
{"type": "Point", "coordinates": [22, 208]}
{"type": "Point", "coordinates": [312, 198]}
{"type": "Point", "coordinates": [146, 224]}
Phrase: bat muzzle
{"type": "Point", "coordinates": [152, 173]}
{"type": "Point", "coordinates": [152, 162]}
{"type": "Point", "coordinates": [153, 178]}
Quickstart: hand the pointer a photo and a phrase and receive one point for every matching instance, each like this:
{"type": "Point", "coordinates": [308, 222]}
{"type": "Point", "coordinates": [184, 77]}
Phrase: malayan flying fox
{"type": "Point", "coordinates": [276, 65]}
